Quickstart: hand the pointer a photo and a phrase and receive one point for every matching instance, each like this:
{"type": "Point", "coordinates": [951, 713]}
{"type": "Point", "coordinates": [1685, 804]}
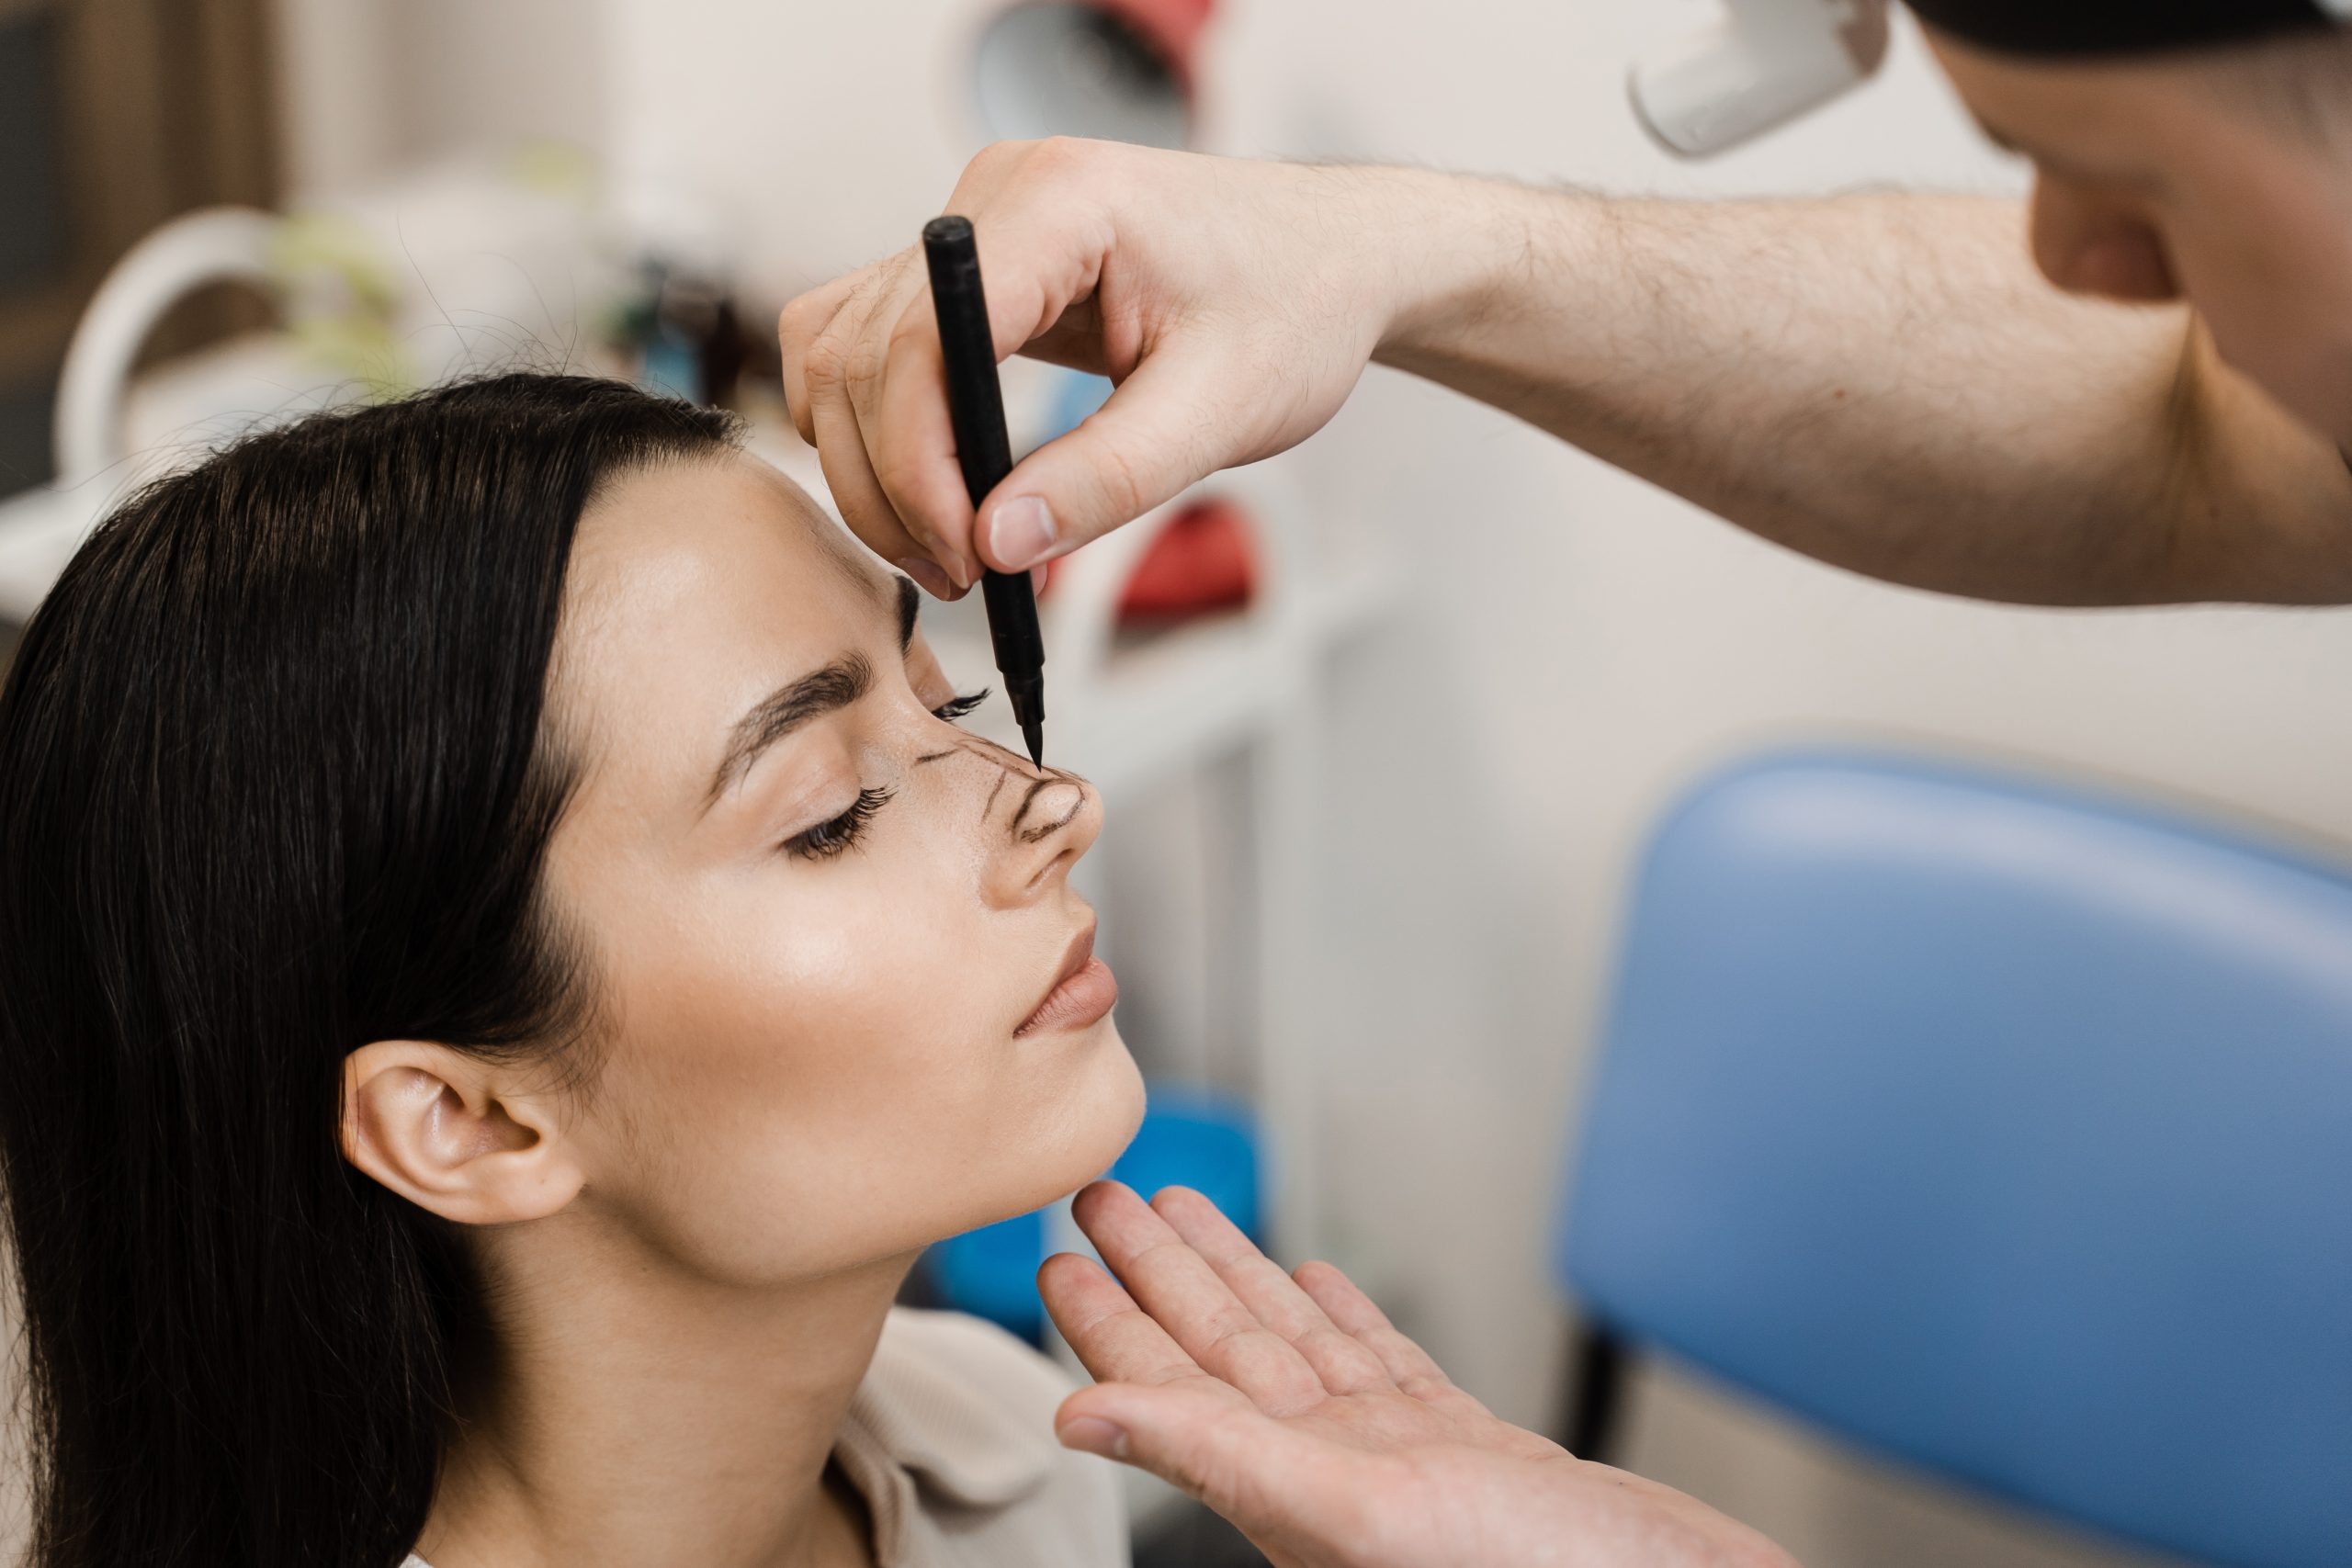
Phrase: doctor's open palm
{"type": "Point", "coordinates": [1292, 1406]}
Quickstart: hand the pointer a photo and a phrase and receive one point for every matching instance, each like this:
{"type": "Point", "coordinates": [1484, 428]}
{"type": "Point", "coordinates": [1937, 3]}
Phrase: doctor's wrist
{"type": "Point", "coordinates": [1485, 260]}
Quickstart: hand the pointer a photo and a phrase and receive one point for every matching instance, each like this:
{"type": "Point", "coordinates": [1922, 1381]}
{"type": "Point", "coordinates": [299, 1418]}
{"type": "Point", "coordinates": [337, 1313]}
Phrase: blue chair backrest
{"type": "Point", "coordinates": [2002, 1127]}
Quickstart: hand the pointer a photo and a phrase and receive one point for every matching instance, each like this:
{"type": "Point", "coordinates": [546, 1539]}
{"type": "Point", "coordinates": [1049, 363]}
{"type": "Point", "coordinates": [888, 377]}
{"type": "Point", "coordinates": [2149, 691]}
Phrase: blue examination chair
{"type": "Point", "coordinates": [2001, 1128]}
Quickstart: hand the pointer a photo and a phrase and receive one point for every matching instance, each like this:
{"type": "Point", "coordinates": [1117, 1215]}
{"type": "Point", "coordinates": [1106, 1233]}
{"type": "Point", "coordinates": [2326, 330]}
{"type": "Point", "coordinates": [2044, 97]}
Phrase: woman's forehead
{"type": "Point", "coordinates": [710, 534]}
{"type": "Point", "coordinates": [697, 589]}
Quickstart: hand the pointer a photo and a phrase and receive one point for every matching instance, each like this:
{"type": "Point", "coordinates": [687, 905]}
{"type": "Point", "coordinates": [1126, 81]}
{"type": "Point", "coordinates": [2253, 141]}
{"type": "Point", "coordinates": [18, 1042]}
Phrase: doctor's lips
{"type": "Point", "coordinates": [1083, 992]}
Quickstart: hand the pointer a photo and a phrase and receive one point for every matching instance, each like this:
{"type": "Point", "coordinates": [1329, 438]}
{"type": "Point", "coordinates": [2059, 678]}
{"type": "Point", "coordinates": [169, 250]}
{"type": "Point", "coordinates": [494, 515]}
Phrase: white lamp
{"type": "Point", "coordinates": [1763, 63]}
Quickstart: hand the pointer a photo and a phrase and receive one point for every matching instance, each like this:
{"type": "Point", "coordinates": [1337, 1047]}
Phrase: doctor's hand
{"type": "Point", "coordinates": [1292, 1406]}
{"type": "Point", "coordinates": [1233, 303]}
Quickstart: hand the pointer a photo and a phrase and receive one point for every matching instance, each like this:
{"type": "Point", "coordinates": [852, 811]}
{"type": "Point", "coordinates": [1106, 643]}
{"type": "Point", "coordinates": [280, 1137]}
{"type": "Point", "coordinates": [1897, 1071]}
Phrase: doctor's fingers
{"type": "Point", "coordinates": [1414, 1371]}
{"type": "Point", "coordinates": [1345, 1365]}
{"type": "Point", "coordinates": [798, 327]}
{"type": "Point", "coordinates": [863, 504]}
{"type": "Point", "coordinates": [1040, 262]}
{"type": "Point", "coordinates": [1175, 1285]}
{"type": "Point", "coordinates": [891, 282]}
{"type": "Point", "coordinates": [1116, 1341]}
{"type": "Point", "coordinates": [824, 368]}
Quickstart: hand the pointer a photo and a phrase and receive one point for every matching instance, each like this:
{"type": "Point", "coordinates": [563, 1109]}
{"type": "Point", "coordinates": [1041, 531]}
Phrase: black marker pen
{"type": "Point", "coordinates": [975, 409]}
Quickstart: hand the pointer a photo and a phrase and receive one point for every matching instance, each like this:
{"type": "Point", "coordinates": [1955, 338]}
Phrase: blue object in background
{"type": "Point", "coordinates": [672, 365]}
{"type": "Point", "coordinates": [1076, 394]}
{"type": "Point", "coordinates": [992, 1273]}
{"type": "Point", "coordinates": [1190, 1137]}
{"type": "Point", "coordinates": [2003, 1127]}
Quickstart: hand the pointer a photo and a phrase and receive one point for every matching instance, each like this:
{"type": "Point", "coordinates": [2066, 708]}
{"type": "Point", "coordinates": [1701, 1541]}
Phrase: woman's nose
{"type": "Point", "coordinates": [1043, 821]}
{"type": "Point", "coordinates": [1029, 824]}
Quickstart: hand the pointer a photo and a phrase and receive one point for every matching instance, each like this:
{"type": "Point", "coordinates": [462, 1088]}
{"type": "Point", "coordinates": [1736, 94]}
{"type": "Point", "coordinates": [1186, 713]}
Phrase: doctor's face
{"type": "Point", "coordinates": [2222, 177]}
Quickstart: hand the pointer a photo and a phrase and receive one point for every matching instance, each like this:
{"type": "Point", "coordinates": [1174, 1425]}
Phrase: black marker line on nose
{"type": "Point", "coordinates": [1009, 765]}
{"type": "Point", "coordinates": [1032, 835]}
{"type": "Point", "coordinates": [1027, 798]}
{"type": "Point", "coordinates": [1035, 835]}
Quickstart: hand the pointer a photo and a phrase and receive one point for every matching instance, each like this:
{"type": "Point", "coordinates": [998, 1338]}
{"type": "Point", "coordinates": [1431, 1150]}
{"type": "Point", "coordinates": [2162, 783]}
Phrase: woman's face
{"type": "Point", "coordinates": [823, 918]}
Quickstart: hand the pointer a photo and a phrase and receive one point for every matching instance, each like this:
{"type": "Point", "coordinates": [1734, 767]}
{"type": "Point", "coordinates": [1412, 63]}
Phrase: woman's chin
{"type": "Point", "coordinates": [1097, 1119]}
{"type": "Point", "coordinates": [1121, 1112]}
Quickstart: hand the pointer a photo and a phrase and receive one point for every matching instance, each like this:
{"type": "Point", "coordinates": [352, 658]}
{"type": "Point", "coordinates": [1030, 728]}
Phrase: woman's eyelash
{"type": "Point", "coordinates": [827, 840]}
{"type": "Point", "coordinates": [955, 708]}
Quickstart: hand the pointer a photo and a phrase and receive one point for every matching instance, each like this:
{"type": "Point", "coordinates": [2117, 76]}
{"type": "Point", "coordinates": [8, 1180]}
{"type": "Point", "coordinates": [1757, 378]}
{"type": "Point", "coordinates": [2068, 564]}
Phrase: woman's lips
{"type": "Point", "coordinates": [1083, 995]}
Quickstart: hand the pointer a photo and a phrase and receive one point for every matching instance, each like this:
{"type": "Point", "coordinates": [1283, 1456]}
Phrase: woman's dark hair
{"type": "Point", "coordinates": [276, 781]}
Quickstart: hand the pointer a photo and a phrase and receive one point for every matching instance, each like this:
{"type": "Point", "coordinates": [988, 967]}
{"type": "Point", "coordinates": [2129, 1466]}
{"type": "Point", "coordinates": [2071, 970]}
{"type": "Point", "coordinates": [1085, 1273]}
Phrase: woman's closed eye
{"type": "Point", "coordinates": [830, 837]}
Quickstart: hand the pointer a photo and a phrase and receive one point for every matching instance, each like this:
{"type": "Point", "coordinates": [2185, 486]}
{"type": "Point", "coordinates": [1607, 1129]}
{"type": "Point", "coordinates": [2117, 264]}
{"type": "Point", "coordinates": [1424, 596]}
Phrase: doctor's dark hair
{"type": "Point", "coordinates": [277, 778]}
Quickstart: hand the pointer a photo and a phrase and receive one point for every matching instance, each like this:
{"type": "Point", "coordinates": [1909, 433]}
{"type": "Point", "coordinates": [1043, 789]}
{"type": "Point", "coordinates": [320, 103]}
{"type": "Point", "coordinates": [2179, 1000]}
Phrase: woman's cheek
{"type": "Point", "coordinates": [898, 976]}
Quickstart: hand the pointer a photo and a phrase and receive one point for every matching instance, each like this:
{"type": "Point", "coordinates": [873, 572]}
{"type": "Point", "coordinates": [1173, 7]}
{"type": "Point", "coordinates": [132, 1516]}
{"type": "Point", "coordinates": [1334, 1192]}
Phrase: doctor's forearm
{"type": "Point", "coordinates": [1879, 381]}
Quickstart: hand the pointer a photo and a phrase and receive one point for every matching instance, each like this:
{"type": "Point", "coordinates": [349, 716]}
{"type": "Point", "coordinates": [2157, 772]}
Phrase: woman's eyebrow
{"type": "Point", "coordinates": [786, 709]}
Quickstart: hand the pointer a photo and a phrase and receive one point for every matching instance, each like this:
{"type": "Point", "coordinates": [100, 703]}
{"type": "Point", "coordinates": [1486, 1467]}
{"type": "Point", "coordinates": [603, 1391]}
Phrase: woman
{"type": "Point", "coordinates": [504, 959]}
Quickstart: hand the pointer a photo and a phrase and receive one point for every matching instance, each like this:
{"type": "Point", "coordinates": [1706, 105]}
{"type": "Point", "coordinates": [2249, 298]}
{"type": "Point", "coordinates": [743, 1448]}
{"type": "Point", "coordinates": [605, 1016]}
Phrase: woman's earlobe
{"type": "Point", "coordinates": [448, 1132]}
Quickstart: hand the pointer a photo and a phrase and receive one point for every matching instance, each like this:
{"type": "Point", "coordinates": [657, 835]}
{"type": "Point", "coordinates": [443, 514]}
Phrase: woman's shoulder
{"type": "Point", "coordinates": [967, 1411]}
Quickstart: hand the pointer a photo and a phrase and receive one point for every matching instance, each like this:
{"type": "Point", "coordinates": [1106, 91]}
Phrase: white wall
{"type": "Point", "coordinates": [367, 87]}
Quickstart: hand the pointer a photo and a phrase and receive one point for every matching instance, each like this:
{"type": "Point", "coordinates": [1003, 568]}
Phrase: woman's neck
{"type": "Point", "coordinates": [632, 1415]}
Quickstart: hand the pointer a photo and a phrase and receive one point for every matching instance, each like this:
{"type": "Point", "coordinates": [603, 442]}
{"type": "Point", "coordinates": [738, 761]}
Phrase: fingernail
{"type": "Point", "coordinates": [928, 577]}
{"type": "Point", "coordinates": [1092, 1435]}
{"type": "Point", "coordinates": [1022, 532]}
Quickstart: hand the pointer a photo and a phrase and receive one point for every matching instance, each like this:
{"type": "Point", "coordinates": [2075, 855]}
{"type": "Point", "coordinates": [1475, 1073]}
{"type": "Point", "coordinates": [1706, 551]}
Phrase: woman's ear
{"type": "Point", "coordinates": [450, 1133]}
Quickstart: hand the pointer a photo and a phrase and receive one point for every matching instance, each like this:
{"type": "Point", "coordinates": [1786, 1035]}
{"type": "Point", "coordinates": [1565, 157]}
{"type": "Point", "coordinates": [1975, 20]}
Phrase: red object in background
{"type": "Point", "coordinates": [1172, 27]}
{"type": "Point", "coordinates": [1202, 562]}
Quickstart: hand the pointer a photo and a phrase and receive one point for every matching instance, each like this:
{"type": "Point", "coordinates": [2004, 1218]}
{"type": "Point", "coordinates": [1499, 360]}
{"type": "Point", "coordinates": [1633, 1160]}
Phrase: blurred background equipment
{"type": "Point", "coordinates": [115, 116]}
{"type": "Point", "coordinates": [462, 266]}
{"type": "Point", "coordinates": [2002, 1128]}
{"type": "Point", "coordinates": [1116, 70]}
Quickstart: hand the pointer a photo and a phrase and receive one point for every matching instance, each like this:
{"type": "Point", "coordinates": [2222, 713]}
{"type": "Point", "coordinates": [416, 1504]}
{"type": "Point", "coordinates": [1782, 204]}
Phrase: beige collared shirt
{"type": "Point", "coordinates": [950, 1440]}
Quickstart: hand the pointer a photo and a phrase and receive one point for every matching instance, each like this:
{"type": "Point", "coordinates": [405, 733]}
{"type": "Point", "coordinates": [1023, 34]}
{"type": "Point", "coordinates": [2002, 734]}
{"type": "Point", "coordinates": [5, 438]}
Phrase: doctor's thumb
{"type": "Point", "coordinates": [1158, 432]}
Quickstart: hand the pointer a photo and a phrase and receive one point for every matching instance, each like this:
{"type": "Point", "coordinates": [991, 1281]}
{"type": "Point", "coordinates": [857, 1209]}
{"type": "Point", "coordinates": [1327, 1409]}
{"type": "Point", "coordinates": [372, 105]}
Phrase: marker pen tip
{"type": "Point", "coordinates": [1032, 731]}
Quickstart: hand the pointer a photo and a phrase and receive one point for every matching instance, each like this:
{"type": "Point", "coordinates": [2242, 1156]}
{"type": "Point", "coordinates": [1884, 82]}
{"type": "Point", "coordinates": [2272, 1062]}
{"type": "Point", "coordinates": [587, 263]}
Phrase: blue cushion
{"type": "Point", "coordinates": [2002, 1127]}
